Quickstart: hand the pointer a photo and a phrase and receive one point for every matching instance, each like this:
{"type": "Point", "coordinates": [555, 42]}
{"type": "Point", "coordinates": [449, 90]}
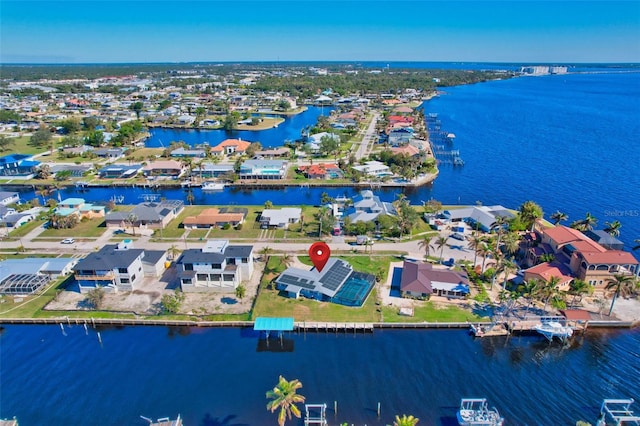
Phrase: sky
{"type": "Point", "coordinates": [78, 31]}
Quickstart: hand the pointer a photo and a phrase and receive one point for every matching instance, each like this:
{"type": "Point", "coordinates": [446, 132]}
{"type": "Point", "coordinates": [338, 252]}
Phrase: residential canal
{"type": "Point", "coordinates": [220, 376]}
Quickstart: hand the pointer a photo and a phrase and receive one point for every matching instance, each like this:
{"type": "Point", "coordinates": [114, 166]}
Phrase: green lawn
{"type": "Point", "coordinates": [91, 228]}
{"type": "Point", "coordinates": [26, 228]}
{"type": "Point", "coordinates": [21, 145]}
{"type": "Point", "coordinates": [31, 306]}
{"type": "Point", "coordinates": [430, 313]}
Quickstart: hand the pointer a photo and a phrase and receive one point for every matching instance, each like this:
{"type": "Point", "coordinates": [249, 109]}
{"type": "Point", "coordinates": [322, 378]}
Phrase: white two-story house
{"type": "Point", "coordinates": [218, 266]}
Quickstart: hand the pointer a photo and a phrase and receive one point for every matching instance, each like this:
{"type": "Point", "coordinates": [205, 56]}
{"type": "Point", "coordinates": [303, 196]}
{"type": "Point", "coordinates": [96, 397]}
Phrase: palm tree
{"type": "Point", "coordinates": [511, 243]}
{"type": "Point", "coordinates": [549, 291]}
{"type": "Point", "coordinates": [585, 224]}
{"type": "Point", "coordinates": [578, 288]}
{"type": "Point", "coordinates": [529, 213]}
{"type": "Point", "coordinates": [440, 243]}
{"type": "Point", "coordinates": [508, 266]}
{"type": "Point", "coordinates": [424, 244]}
{"type": "Point", "coordinates": [132, 219]}
{"type": "Point", "coordinates": [475, 241]}
{"type": "Point", "coordinates": [266, 252]}
{"type": "Point", "coordinates": [620, 284]}
{"type": "Point", "coordinates": [558, 217]}
{"type": "Point", "coordinates": [405, 420]}
{"type": "Point", "coordinates": [190, 197]}
{"type": "Point", "coordinates": [286, 260]}
{"type": "Point", "coordinates": [173, 251]}
{"type": "Point", "coordinates": [498, 226]}
{"type": "Point", "coordinates": [485, 251]}
{"type": "Point", "coordinates": [284, 397]}
{"type": "Point", "coordinates": [530, 291]}
{"type": "Point", "coordinates": [613, 228]}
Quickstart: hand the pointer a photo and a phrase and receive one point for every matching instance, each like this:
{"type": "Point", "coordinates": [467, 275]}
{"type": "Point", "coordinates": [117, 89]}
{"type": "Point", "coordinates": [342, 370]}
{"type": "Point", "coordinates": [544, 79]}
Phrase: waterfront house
{"type": "Point", "coordinates": [337, 283]}
{"type": "Point", "coordinates": [218, 266]}
{"type": "Point", "coordinates": [280, 218]}
{"type": "Point", "coordinates": [210, 169]}
{"type": "Point", "coordinates": [18, 166]}
{"type": "Point", "coordinates": [547, 270]}
{"type": "Point", "coordinates": [230, 147]}
{"type": "Point", "coordinates": [74, 170]}
{"type": "Point", "coordinates": [263, 169]}
{"type": "Point", "coordinates": [25, 276]}
{"type": "Point", "coordinates": [215, 217]}
{"type": "Point", "coordinates": [9, 197]}
{"type": "Point", "coordinates": [80, 208]}
{"type": "Point", "coordinates": [374, 169]}
{"type": "Point", "coordinates": [478, 217]}
{"type": "Point", "coordinates": [119, 171]}
{"type": "Point", "coordinates": [164, 168]}
{"type": "Point", "coordinates": [367, 207]}
{"type": "Point", "coordinates": [400, 136]}
{"type": "Point", "coordinates": [10, 219]}
{"type": "Point", "coordinates": [423, 280]}
{"type": "Point", "coordinates": [118, 267]}
{"type": "Point", "coordinates": [148, 215]}
{"type": "Point", "coordinates": [188, 153]}
{"type": "Point", "coordinates": [321, 171]}
{"type": "Point", "coordinates": [596, 267]}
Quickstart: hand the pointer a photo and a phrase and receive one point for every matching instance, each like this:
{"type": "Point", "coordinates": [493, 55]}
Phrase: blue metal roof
{"type": "Point", "coordinates": [273, 324]}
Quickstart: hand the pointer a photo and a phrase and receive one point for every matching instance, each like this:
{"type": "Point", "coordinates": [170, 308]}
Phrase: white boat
{"type": "Point", "coordinates": [551, 329]}
{"type": "Point", "coordinates": [212, 186]}
{"type": "Point", "coordinates": [617, 412]}
{"type": "Point", "coordinates": [476, 412]}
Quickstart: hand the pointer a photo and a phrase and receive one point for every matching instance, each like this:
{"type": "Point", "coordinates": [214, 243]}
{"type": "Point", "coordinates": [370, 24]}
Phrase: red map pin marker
{"type": "Point", "coordinates": [319, 253]}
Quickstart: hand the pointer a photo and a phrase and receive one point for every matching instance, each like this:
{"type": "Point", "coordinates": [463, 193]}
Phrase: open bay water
{"type": "Point", "coordinates": [218, 376]}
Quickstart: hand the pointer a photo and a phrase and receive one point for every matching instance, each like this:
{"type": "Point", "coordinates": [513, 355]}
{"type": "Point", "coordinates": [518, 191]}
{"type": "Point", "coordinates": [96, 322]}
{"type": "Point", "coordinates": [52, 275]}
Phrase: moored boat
{"type": "Point", "coordinates": [488, 330]}
{"type": "Point", "coordinates": [212, 186]}
{"type": "Point", "coordinates": [476, 412]}
{"type": "Point", "coordinates": [551, 329]}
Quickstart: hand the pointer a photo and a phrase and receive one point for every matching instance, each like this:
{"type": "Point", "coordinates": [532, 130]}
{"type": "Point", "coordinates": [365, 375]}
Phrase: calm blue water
{"type": "Point", "coordinates": [218, 377]}
{"type": "Point", "coordinates": [288, 130]}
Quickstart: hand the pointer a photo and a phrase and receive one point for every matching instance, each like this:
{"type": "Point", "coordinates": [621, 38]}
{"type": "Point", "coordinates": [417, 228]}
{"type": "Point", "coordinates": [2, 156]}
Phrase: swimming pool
{"type": "Point", "coordinates": [355, 290]}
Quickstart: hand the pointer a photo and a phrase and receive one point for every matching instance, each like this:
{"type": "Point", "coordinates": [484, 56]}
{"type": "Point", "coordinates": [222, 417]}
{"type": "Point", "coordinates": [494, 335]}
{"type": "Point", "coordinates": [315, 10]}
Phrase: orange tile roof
{"type": "Point", "coordinates": [563, 235]}
{"type": "Point", "coordinates": [212, 216]}
{"type": "Point", "coordinates": [609, 256]}
{"type": "Point", "coordinates": [407, 149]}
{"type": "Point", "coordinates": [548, 270]}
{"type": "Point", "coordinates": [240, 145]}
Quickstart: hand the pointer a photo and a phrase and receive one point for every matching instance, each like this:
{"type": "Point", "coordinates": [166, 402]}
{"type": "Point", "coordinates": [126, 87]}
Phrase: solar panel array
{"type": "Point", "coordinates": [300, 282]}
{"type": "Point", "coordinates": [335, 276]}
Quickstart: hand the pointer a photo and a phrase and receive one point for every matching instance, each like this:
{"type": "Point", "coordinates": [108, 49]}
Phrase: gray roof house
{"type": "Point", "coordinates": [330, 284]}
{"type": "Point", "coordinates": [421, 279]}
{"type": "Point", "coordinates": [116, 268]}
{"type": "Point", "coordinates": [25, 276]}
{"type": "Point", "coordinates": [9, 197]}
{"type": "Point", "coordinates": [154, 215]}
{"type": "Point", "coordinates": [218, 266]}
{"type": "Point", "coordinates": [482, 216]}
{"type": "Point", "coordinates": [605, 240]}
{"type": "Point", "coordinates": [280, 218]}
{"type": "Point", "coordinates": [367, 207]}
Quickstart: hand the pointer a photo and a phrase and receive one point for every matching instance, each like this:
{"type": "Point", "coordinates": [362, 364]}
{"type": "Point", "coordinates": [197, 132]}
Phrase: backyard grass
{"type": "Point", "coordinates": [431, 313]}
{"type": "Point", "coordinates": [30, 306]}
{"type": "Point", "coordinates": [91, 228]}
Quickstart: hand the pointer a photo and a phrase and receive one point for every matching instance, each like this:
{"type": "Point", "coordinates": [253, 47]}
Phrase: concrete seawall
{"type": "Point", "coordinates": [300, 326]}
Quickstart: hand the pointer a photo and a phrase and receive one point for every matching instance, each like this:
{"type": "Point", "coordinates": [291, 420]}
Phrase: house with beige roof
{"type": "Point", "coordinates": [422, 280]}
{"type": "Point", "coordinates": [215, 217]}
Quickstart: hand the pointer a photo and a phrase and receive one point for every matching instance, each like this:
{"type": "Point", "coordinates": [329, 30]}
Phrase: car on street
{"type": "Point", "coordinates": [457, 236]}
{"type": "Point", "coordinates": [68, 241]}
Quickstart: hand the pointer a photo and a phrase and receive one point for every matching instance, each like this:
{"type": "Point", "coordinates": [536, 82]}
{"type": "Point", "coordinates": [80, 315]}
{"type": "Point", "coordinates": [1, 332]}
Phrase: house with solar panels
{"type": "Point", "coordinates": [336, 283]}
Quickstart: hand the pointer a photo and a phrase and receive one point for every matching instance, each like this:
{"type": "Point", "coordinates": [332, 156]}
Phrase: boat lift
{"type": "Point", "coordinates": [617, 411]}
{"type": "Point", "coordinates": [315, 414]}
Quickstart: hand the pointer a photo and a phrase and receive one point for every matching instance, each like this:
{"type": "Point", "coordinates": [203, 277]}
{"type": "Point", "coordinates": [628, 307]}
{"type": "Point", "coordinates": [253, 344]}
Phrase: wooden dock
{"type": "Point", "coordinates": [334, 326]}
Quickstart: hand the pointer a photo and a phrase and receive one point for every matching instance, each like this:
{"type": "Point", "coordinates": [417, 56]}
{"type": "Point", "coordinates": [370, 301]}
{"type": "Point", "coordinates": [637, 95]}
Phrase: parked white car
{"type": "Point", "coordinates": [68, 241]}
